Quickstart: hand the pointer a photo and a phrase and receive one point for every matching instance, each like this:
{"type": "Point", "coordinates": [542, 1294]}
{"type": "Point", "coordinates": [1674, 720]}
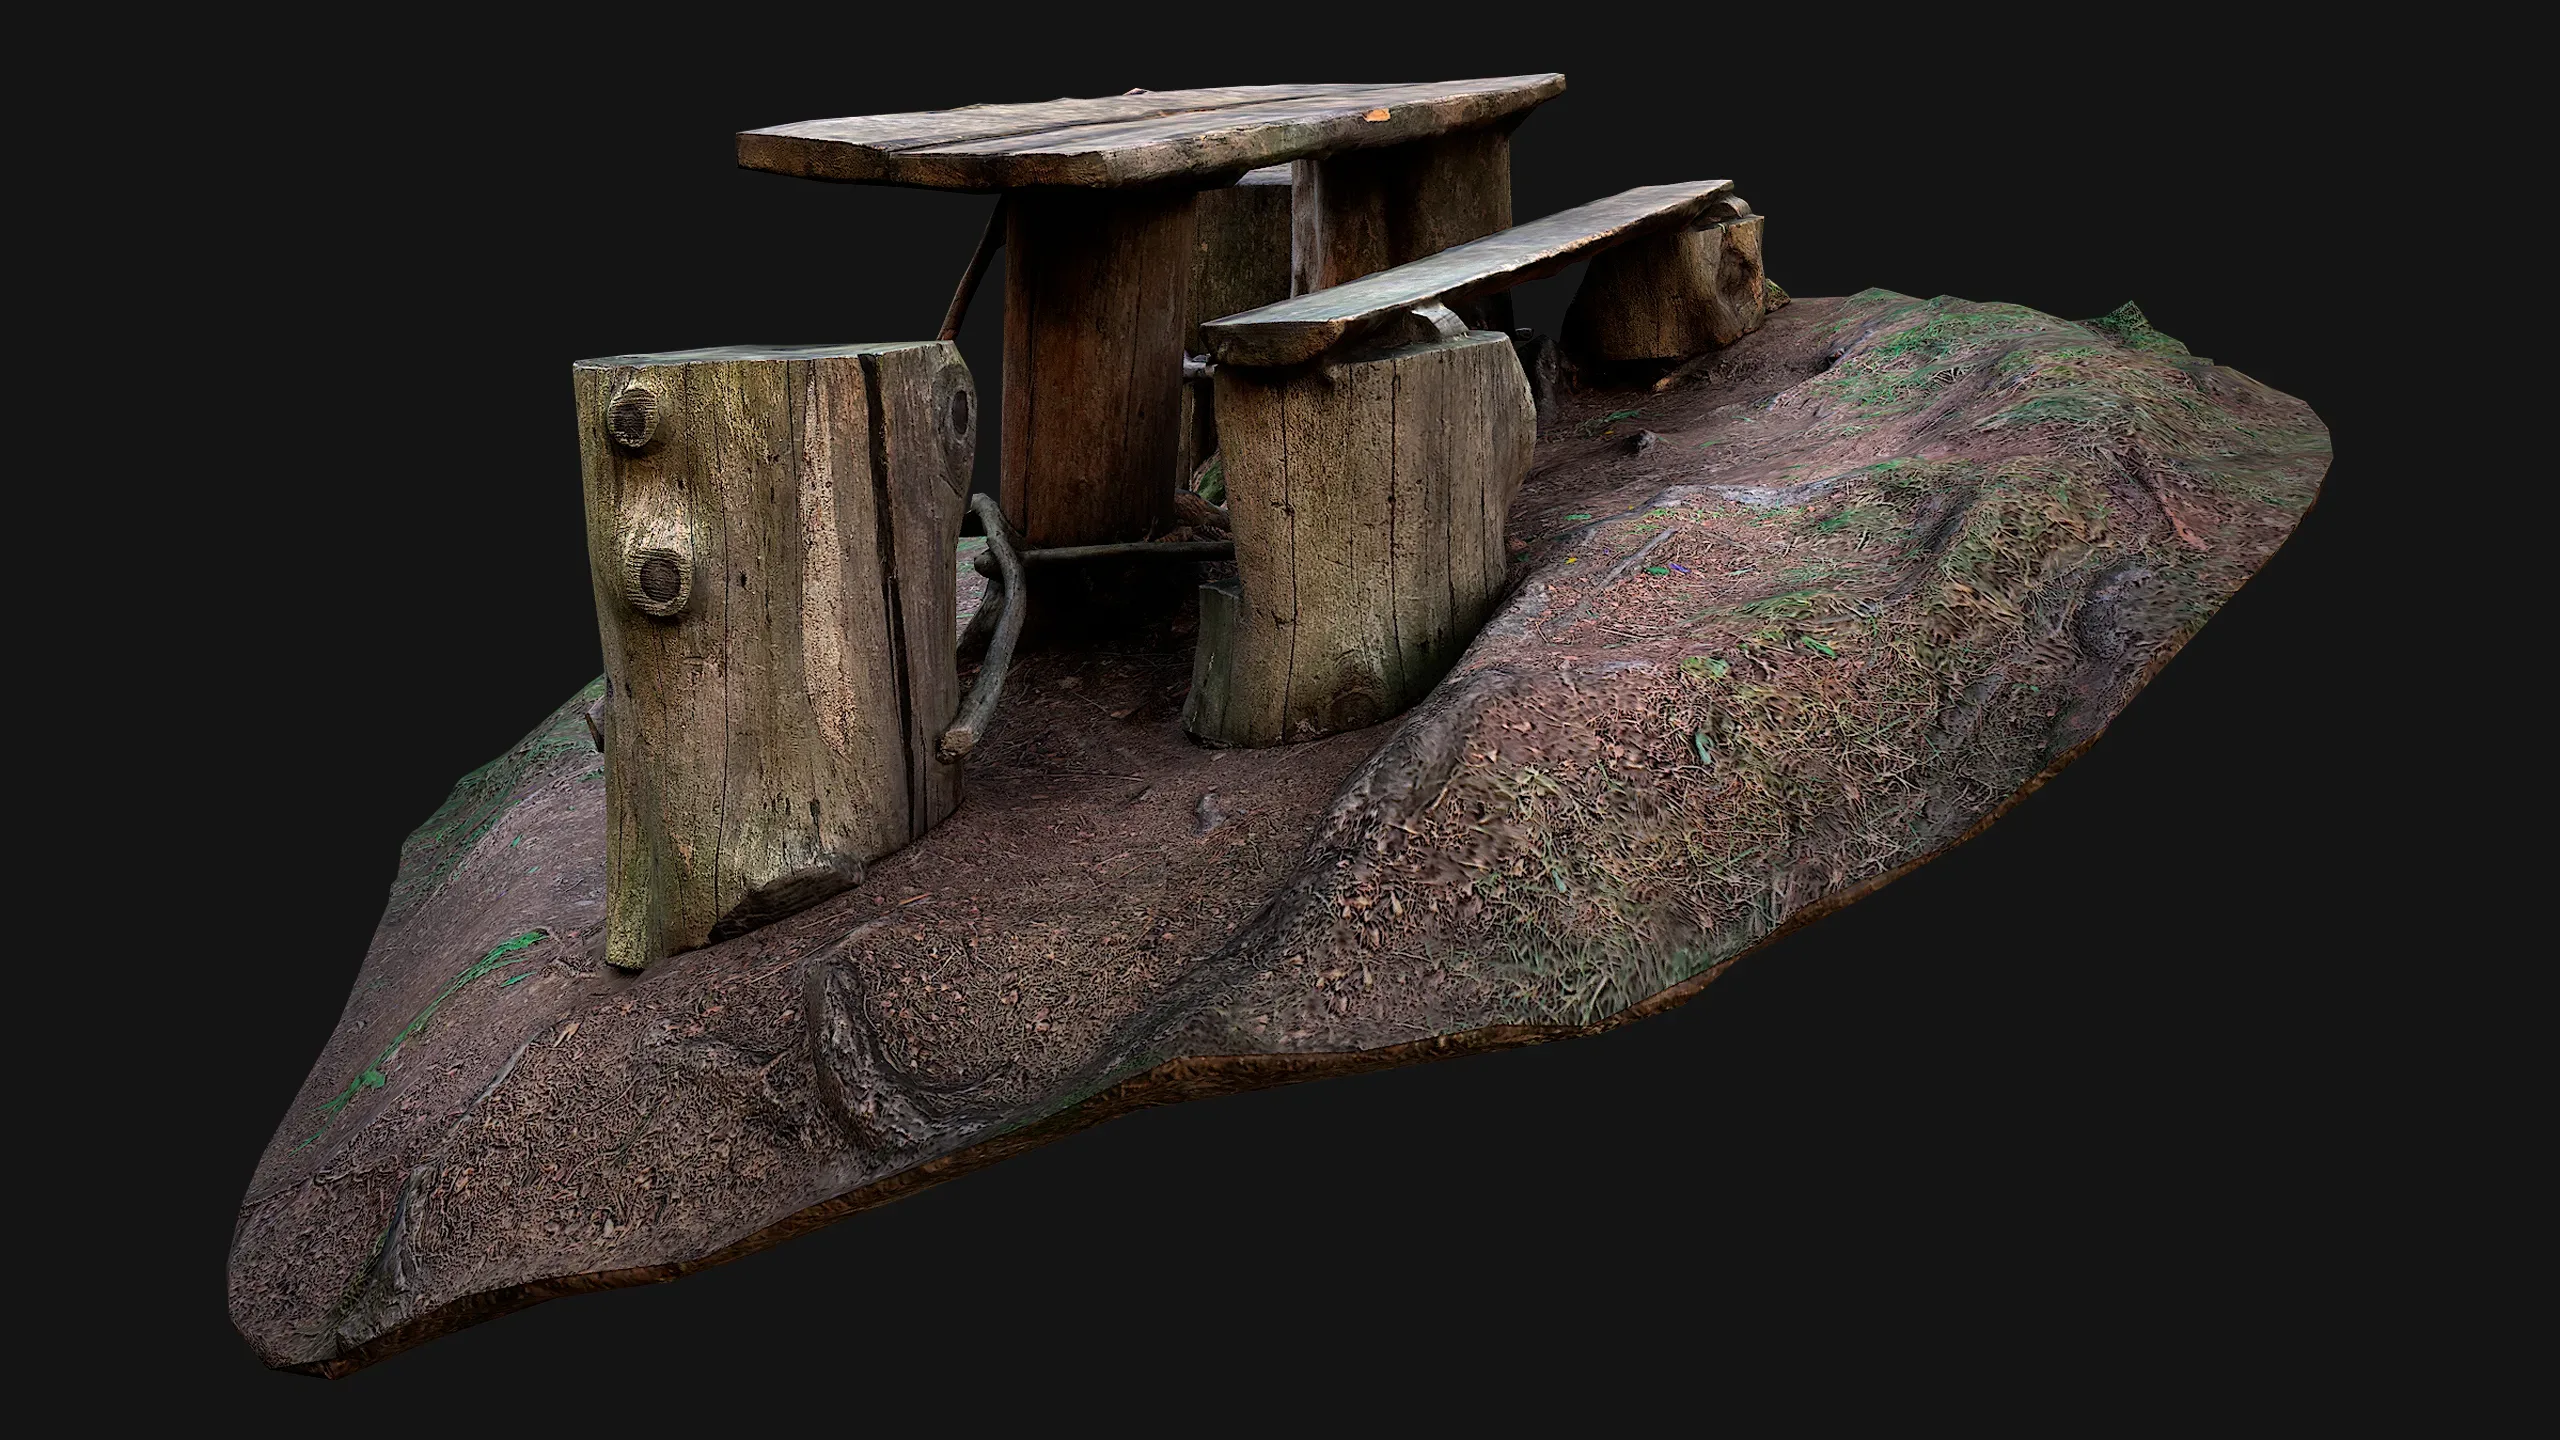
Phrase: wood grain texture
{"type": "Point", "coordinates": [1207, 136]}
{"type": "Point", "coordinates": [1239, 260]}
{"type": "Point", "coordinates": [772, 731]}
{"type": "Point", "coordinates": [1367, 499]}
{"type": "Point", "coordinates": [1240, 248]}
{"type": "Point", "coordinates": [1304, 326]}
{"type": "Point", "coordinates": [1742, 280]}
{"type": "Point", "coordinates": [1669, 295]}
{"type": "Point", "coordinates": [1362, 211]}
{"type": "Point", "coordinates": [1095, 294]}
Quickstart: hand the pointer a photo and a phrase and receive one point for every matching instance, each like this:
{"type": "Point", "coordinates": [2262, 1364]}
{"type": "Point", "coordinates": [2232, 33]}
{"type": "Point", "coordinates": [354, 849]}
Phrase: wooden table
{"type": "Point", "coordinates": [1098, 222]}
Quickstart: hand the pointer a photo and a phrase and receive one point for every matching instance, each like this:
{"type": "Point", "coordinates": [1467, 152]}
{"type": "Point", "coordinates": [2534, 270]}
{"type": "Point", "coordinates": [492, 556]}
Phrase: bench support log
{"type": "Point", "coordinates": [770, 533]}
{"type": "Point", "coordinates": [1669, 295]}
{"type": "Point", "coordinates": [1367, 497]}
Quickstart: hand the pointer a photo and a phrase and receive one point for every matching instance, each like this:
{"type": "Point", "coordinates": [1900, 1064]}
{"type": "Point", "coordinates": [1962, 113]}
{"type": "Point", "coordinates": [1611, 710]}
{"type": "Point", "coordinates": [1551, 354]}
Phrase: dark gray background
{"type": "Point", "coordinates": [2095, 1064]}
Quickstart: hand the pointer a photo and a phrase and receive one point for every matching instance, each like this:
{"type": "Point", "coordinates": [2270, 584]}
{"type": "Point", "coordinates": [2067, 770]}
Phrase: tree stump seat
{"type": "Point", "coordinates": [1374, 439]}
{"type": "Point", "coordinates": [770, 531]}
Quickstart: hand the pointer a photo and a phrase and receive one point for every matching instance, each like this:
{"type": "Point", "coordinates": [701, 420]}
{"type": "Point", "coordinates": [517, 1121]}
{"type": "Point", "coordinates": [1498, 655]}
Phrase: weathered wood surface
{"type": "Point", "coordinates": [1367, 500]}
{"type": "Point", "coordinates": [1741, 302]}
{"type": "Point", "coordinates": [769, 532]}
{"type": "Point", "coordinates": [1914, 557]}
{"type": "Point", "coordinates": [1304, 326]}
{"type": "Point", "coordinates": [1362, 211]}
{"type": "Point", "coordinates": [1206, 136]}
{"type": "Point", "coordinates": [1239, 260]}
{"type": "Point", "coordinates": [1005, 594]}
{"type": "Point", "coordinates": [1096, 294]}
{"type": "Point", "coordinates": [1670, 295]}
{"type": "Point", "coordinates": [1239, 248]}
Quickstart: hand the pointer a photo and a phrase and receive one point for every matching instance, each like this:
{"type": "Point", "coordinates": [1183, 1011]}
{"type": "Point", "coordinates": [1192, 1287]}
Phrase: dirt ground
{"type": "Point", "coordinates": [1782, 625]}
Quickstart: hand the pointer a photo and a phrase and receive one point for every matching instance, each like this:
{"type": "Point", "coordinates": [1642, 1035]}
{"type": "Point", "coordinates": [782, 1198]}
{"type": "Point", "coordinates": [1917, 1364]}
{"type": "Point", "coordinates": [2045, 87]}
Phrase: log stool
{"type": "Point", "coordinates": [1367, 498]}
{"type": "Point", "coordinates": [1674, 293]}
{"type": "Point", "coordinates": [771, 535]}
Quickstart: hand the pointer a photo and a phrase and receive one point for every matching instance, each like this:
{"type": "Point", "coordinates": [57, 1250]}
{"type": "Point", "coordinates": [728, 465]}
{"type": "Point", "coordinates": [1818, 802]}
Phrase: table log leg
{"type": "Point", "coordinates": [1097, 293]}
{"type": "Point", "coordinates": [1097, 300]}
{"type": "Point", "coordinates": [1239, 260]}
{"type": "Point", "coordinates": [1241, 253]}
{"type": "Point", "coordinates": [1362, 211]}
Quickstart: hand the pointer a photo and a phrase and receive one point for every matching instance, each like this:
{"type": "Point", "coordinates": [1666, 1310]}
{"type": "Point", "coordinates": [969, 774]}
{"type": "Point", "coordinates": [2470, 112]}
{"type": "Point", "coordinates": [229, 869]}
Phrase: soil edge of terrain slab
{"type": "Point", "coordinates": [1785, 624]}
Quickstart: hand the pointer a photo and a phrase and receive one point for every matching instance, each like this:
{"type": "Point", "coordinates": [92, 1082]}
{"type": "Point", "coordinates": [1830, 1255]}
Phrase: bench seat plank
{"type": "Point", "coordinates": [1305, 326]}
{"type": "Point", "coordinates": [1168, 135]}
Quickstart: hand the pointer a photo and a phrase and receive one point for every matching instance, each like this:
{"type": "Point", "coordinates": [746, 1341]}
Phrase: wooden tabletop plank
{"type": "Point", "coordinates": [1304, 326]}
{"type": "Point", "coordinates": [892, 133]}
{"type": "Point", "coordinates": [1169, 135]}
{"type": "Point", "coordinates": [726, 354]}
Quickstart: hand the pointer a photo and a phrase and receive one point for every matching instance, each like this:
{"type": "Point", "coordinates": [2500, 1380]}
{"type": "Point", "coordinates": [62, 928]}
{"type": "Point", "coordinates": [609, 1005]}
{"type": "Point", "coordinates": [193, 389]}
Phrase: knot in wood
{"type": "Point", "coordinates": [955, 416]}
{"type": "Point", "coordinates": [632, 418]}
{"type": "Point", "coordinates": [657, 579]}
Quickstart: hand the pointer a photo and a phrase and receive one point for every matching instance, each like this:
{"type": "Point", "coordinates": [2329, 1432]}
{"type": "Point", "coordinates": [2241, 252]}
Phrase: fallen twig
{"type": "Point", "coordinates": [980, 708]}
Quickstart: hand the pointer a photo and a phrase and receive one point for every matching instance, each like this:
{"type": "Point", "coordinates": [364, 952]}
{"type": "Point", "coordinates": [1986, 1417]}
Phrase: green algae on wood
{"type": "Point", "coordinates": [478, 799]}
{"type": "Point", "coordinates": [372, 1076]}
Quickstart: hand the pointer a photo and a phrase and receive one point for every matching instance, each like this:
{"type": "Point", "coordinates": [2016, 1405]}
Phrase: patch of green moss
{"type": "Point", "coordinates": [1916, 348]}
{"type": "Point", "coordinates": [1860, 522]}
{"type": "Point", "coordinates": [2127, 326]}
{"type": "Point", "coordinates": [1802, 725]}
{"type": "Point", "coordinates": [479, 799]}
{"type": "Point", "coordinates": [371, 1076]}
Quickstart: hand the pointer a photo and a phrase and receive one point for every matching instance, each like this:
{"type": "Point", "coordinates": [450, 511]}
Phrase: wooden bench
{"type": "Point", "coordinates": [1373, 443]}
